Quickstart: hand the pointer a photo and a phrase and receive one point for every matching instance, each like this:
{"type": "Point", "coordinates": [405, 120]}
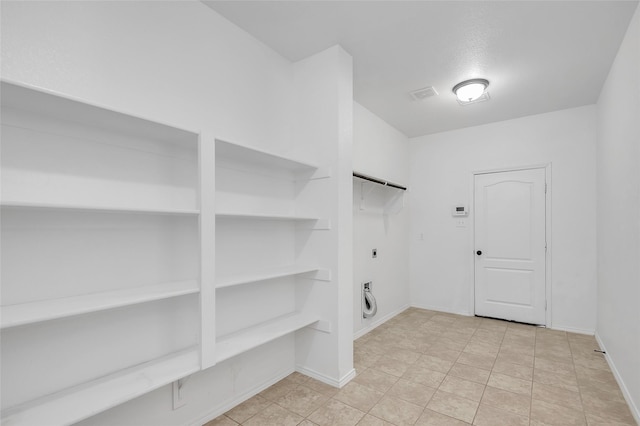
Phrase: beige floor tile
{"type": "Point", "coordinates": [475, 360]}
{"type": "Point", "coordinates": [565, 368]}
{"type": "Point", "coordinates": [322, 388]}
{"type": "Point", "coordinates": [453, 406]}
{"type": "Point", "coordinates": [443, 353]}
{"type": "Point", "coordinates": [516, 349]}
{"type": "Point", "coordinates": [590, 375]}
{"type": "Point", "coordinates": [404, 355]}
{"type": "Point", "coordinates": [424, 376]}
{"type": "Point", "coordinates": [461, 387]}
{"type": "Point", "coordinates": [611, 410]}
{"type": "Point", "coordinates": [488, 336]}
{"type": "Point", "coordinates": [553, 414]}
{"type": "Point", "coordinates": [376, 380]}
{"type": "Point", "coordinates": [595, 361]}
{"type": "Point", "coordinates": [414, 393]}
{"type": "Point", "coordinates": [397, 411]}
{"type": "Point", "coordinates": [566, 381]}
{"type": "Point", "coordinates": [307, 423]}
{"type": "Point", "coordinates": [278, 390]}
{"type": "Point", "coordinates": [599, 421]}
{"type": "Point", "coordinates": [488, 415]}
{"type": "Point", "coordinates": [302, 400]}
{"type": "Point", "coordinates": [513, 370]}
{"type": "Point", "coordinates": [358, 396]}
{"type": "Point", "coordinates": [390, 366]}
{"type": "Point", "coordinates": [557, 395]}
{"type": "Point", "coordinates": [274, 415]}
{"type": "Point", "coordinates": [434, 363]}
{"type": "Point", "coordinates": [591, 393]}
{"type": "Point", "coordinates": [482, 348]}
{"type": "Point", "coordinates": [248, 409]}
{"type": "Point", "coordinates": [336, 413]}
{"type": "Point", "coordinates": [520, 359]}
{"type": "Point", "coordinates": [365, 357]}
{"type": "Point", "coordinates": [297, 377]}
{"type": "Point", "coordinates": [469, 372]}
{"type": "Point", "coordinates": [452, 342]}
{"type": "Point", "coordinates": [508, 401]}
{"type": "Point", "coordinates": [221, 421]}
{"type": "Point", "coordinates": [508, 383]}
{"type": "Point", "coordinates": [369, 420]}
{"type": "Point", "coordinates": [432, 418]}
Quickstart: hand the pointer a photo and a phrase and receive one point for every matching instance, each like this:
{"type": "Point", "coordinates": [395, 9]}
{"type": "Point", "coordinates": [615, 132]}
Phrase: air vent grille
{"type": "Point", "coordinates": [424, 93]}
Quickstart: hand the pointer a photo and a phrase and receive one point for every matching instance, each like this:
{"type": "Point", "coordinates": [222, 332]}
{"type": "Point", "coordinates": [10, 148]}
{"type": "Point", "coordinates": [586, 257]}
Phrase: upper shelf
{"type": "Point", "coordinates": [260, 158]}
{"type": "Point", "coordinates": [28, 313]}
{"type": "Point", "coordinates": [83, 401]}
{"type": "Point", "coordinates": [61, 107]}
{"type": "Point", "coordinates": [97, 208]}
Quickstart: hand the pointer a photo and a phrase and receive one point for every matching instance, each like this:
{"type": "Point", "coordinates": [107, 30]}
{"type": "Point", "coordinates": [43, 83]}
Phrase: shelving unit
{"type": "Point", "coordinates": [102, 236]}
{"type": "Point", "coordinates": [258, 219]}
{"type": "Point", "coordinates": [47, 310]}
{"type": "Point", "coordinates": [80, 402]}
{"type": "Point", "coordinates": [114, 209]}
{"type": "Point", "coordinates": [243, 340]}
{"type": "Point", "coordinates": [268, 274]}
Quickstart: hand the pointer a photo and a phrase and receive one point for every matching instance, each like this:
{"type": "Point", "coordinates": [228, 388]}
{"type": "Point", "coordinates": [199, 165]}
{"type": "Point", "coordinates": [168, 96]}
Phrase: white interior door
{"type": "Point", "coordinates": [510, 245]}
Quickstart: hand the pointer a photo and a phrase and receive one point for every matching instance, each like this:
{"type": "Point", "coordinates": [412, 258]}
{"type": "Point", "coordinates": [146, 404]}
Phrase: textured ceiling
{"type": "Point", "coordinates": [539, 56]}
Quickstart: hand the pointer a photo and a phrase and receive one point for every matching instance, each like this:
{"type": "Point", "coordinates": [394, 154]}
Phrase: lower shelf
{"type": "Point", "coordinates": [83, 401]}
{"type": "Point", "coordinates": [236, 343]}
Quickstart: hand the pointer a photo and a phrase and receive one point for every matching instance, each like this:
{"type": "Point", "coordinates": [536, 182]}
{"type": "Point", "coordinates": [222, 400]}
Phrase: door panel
{"type": "Point", "coordinates": [510, 234]}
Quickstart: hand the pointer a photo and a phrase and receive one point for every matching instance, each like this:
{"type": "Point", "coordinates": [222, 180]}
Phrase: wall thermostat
{"type": "Point", "coordinates": [460, 211]}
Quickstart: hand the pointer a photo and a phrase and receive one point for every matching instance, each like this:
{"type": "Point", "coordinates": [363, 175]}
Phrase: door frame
{"type": "Point", "coordinates": [548, 227]}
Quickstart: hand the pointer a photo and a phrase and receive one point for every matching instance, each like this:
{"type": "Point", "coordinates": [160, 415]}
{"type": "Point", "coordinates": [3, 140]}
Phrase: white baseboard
{"type": "Point", "coordinates": [623, 387]}
{"type": "Point", "coordinates": [441, 309]}
{"type": "Point", "coordinates": [326, 379]}
{"type": "Point", "coordinates": [228, 405]}
{"type": "Point", "coordinates": [378, 322]}
{"type": "Point", "coordinates": [573, 330]}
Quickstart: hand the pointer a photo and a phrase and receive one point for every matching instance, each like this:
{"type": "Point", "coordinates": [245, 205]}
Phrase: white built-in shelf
{"type": "Point", "coordinates": [45, 103]}
{"type": "Point", "coordinates": [264, 216]}
{"type": "Point", "coordinates": [244, 340]}
{"type": "Point", "coordinates": [270, 274]}
{"type": "Point", "coordinates": [97, 208]}
{"type": "Point", "coordinates": [83, 401]}
{"type": "Point", "coordinates": [258, 157]}
{"type": "Point", "coordinates": [45, 310]}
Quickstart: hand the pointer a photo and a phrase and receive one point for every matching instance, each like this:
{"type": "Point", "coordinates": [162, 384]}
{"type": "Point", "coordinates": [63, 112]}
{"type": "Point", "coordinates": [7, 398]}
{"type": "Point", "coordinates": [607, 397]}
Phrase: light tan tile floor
{"type": "Point", "coordinates": [431, 368]}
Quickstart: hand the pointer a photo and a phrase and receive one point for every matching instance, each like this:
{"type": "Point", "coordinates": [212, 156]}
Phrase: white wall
{"type": "Point", "coordinates": [618, 150]}
{"type": "Point", "coordinates": [442, 164]}
{"type": "Point", "coordinates": [178, 62]}
{"type": "Point", "coordinates": [382, 151]}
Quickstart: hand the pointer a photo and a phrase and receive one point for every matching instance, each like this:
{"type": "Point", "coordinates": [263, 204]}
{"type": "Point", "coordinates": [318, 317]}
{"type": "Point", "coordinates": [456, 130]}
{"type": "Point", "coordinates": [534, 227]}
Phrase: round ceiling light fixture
{"type": "Point", "coordinates": [470, 90]}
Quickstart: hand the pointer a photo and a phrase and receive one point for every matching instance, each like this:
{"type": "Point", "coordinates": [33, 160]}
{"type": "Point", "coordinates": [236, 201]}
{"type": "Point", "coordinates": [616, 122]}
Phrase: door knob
{"type": "Point", "coordinates": [479, 252]}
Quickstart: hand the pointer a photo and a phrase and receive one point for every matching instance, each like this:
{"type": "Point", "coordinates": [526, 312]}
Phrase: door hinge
{"type": "Point", "coordinates": [545, 246]}
{"type": "Point", "coordinates": [545, 305]}
{"type": "Point", "coordinates": [545, 187]}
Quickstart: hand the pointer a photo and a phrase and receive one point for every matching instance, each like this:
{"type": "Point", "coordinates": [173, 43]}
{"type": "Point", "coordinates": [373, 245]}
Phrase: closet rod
{"type": "Point", "coordinates": [381, 182]}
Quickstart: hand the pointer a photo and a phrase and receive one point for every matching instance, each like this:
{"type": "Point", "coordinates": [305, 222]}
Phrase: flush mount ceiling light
{"type": "Point", "coordinates": [471, 90]}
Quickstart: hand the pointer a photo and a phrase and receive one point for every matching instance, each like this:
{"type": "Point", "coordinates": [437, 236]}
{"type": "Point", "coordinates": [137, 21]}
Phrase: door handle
{"type": "Point", "coordinates": [479, 252]}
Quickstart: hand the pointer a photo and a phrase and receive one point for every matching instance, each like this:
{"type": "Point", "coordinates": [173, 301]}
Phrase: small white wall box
{"type": "Point", "coordinates": [460, 211]}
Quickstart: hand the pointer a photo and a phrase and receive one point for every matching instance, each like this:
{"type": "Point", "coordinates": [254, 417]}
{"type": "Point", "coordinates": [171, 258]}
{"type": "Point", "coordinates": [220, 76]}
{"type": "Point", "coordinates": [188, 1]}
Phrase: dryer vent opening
{"type": "Point", "coordinates": [369, 305]}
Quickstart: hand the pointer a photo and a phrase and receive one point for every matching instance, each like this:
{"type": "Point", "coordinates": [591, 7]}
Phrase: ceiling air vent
{"type": "Point", "coordinates": [424, 93]}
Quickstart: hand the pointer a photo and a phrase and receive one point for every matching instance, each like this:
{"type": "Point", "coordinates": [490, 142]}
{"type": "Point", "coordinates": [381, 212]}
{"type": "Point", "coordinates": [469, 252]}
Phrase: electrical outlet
{"type": "Point", "coordinates": [461, 223]}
